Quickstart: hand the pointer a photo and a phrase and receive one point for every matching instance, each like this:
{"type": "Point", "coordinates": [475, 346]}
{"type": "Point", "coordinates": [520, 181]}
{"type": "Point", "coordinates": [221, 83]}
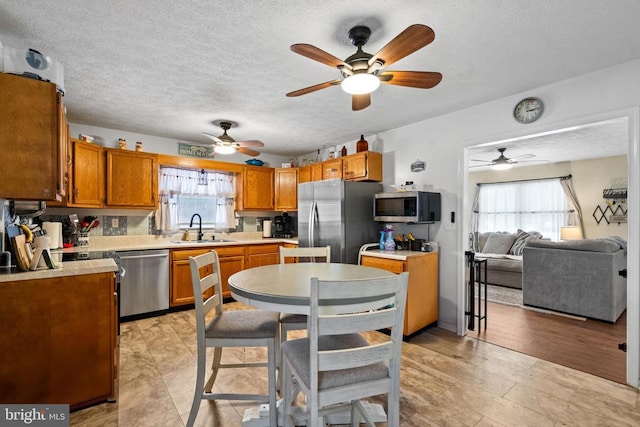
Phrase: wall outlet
{"type": "Point", "coordinates": [114, 223]}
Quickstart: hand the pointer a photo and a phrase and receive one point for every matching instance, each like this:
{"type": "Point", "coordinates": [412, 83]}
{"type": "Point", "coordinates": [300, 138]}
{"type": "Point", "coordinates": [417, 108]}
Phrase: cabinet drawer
{"type": "Point", "coordinates": [224, 251]}
{"type": "Point", "coordinates": [391, 265]}
{"type": "Point", "coordinates": [178, 254]}
{"type": "Point", "coordinates": [263, 249]}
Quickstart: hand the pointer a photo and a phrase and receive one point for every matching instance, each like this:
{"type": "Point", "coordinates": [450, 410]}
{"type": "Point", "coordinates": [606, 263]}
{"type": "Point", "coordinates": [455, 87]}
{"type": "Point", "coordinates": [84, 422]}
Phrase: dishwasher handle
{"type": "Point", "coordinates": [143, 256]}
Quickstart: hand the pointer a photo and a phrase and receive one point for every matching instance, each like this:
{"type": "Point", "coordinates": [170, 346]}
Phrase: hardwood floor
{"type": "Point", "coordinates": [586, 345]}
{"type": "Point", "coordinates": [445, 380]}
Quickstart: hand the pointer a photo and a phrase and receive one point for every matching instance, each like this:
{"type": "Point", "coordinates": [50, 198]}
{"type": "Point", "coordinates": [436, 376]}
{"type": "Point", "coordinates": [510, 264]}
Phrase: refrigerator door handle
{"type": "Point", "coordinates": [312, 223]}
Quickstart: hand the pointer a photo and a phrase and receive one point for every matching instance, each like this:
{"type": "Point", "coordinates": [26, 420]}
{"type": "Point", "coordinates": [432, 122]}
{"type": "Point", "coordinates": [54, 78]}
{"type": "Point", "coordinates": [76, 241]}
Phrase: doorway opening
{"type": "Point", "coordinates": [594, 154]}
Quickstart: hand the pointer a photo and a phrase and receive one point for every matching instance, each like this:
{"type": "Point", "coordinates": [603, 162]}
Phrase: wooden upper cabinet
{"type": "Point", "coordinates": [286, 189]}
{"type": "Point", "coordinates": [32, 154]}
{"type": "Point", "coordinates": [316, 172]}
{"type": "Point", "coordinates": [363, 166]}
{"type": "Point", "coordinates": [87, 176]}
{"type": "Point", "coordinates": [131, 179]}
{"type": "Point", "coordinates": [255, 189]}
{"type": "Point", "coordinates": [304, 174]}
{"type": "Point", "coordinates": [332, 169]}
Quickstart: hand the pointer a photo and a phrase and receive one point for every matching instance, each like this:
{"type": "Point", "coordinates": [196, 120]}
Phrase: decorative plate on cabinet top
{"type": "Point", "coordinates": [254, 162]}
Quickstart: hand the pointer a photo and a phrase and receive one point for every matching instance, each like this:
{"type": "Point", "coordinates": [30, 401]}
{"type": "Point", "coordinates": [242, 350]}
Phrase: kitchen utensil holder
{"type": "Point", "coordinates": [83, 239]}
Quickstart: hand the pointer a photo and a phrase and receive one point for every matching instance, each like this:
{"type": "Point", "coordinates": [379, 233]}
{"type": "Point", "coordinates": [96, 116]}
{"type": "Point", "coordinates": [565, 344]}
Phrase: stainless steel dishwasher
{"type": "Point", "coordinates": [144, 288]}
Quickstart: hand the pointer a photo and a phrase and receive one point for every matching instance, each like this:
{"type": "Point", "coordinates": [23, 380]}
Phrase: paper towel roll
{"type": "Point", "coordinates": [54, 232]}
{"type": "Point", "coordinates": [266, 228]}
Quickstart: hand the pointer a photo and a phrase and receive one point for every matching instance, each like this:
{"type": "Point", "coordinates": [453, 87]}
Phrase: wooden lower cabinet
{"type": "Point", "coordinates": [266, 254]}
{"type": "Point", "coordinates": [422, 293]}
{"type": "Point", "coordinates": [59, 340]}
{"type": "Point", "coordinates": [231, 258]}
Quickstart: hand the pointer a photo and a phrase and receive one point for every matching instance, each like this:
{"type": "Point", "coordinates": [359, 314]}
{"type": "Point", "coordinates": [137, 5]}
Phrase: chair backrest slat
{"type": "Point", "coordinates": [356, 323]}
{"type": "Point", "coordinates": [307, 254]}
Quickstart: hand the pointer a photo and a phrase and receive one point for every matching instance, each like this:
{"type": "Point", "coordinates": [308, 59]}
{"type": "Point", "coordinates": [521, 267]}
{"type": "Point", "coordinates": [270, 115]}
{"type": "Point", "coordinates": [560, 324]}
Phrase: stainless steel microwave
{"type": "Point", "coordinates": [407, 206]}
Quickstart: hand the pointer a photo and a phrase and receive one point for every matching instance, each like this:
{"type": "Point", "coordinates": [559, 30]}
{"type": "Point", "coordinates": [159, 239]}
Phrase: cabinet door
{"type": "Point", "coordinates": [364, 166]}
{"type": "Point", "coordinates": [132, 179]}
{"type": "Point", "coordinates": [87, 175]}
{"type": "Point", "coordinates": [304, 174]}
{"type": "Point", "coordinates": [232, 260]}
{"type": "Point", "coordinates": [62, 340]}
{"type": "Point", "coordinates": [181, 289]}
{"type": "Point", "coordinates": [332, 169]}
{"type": "Point", "coordinates": [29, 137]}
{"type": "Point", "coordinates": [316, 172]}
{"type": "Point", "coordinates": [286, 189]}
{"type": "Point", "coordinates": [257, 188]}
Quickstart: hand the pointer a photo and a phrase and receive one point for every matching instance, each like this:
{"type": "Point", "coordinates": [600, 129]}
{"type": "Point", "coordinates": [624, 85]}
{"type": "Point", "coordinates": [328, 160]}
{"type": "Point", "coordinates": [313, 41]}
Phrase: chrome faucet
{"type": "Point", "coordinates": [200, 234]}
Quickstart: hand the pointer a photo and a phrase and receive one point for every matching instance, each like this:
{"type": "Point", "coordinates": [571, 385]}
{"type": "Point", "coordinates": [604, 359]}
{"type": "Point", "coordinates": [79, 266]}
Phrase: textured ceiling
{"type": "Point", "coordinates": [171, 68]}
{"type": "Point", "coordinates": [601, 139]}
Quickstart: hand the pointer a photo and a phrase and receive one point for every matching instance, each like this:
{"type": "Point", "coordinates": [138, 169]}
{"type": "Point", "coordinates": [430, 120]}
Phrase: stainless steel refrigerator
{"type": "Point", "coordinates": [337, 213]}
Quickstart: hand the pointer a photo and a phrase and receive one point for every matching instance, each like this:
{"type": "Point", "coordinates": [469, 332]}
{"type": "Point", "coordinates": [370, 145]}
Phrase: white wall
{"type": "Point", "coordinates": [590, 177]}
{"type": "Point", "coordinates": [441, 142]}
{"type": "Point", "coordinates": [156, 144]}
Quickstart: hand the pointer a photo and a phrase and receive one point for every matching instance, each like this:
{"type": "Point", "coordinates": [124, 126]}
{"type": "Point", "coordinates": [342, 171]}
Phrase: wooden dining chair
{"type": "Point", "coordinates": [335, 366]}
{"type": "Point", "coordinates": [240, 328]}
{"type": "Point", "coordinates": [295, 322]}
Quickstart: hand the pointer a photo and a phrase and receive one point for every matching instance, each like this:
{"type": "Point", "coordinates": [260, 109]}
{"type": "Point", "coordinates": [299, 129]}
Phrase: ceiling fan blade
{"type": "Point", "coordinates": [250, 143]}
{"type": "Point", "coordinates": [215, 138]}
{"type": "Point", "coordinates": [360, 102]}
{"type": "Point", "coordinates": [248, 151]}
{"type": "Point", "coordinates": [314, 88]}
{"type": "Point", "coordinates": [418, 79]}
{"type": "Point", "coordinates": [411, 39]}
{"type": "Point", "coordinates": [318, 54]}
{"type": "Point", "coordinates": [524, 156]}
{"type": "Point", "coordinates": [478, 160]}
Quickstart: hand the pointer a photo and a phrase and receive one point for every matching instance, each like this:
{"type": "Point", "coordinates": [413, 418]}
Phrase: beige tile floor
{"type": "Point", "coordinates": [446, 381]}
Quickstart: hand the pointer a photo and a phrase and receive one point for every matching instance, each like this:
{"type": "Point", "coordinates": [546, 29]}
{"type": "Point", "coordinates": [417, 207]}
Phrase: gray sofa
{"type": "Point", "coordinates": [578, 277]}
{"type": "Point", "coordinates": [503, 252]}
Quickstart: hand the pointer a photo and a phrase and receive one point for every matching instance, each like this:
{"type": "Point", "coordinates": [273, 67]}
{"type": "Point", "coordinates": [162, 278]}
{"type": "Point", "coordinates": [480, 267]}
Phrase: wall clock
{"type": "Point", "coordinates": [528, 110]}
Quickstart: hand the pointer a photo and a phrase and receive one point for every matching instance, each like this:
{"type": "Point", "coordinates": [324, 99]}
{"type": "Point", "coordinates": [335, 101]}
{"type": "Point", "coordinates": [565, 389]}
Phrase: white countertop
{"type": "Point", "coordinates": [399, 255]}
{"type": "Point", "coordinates": [133, 243]}
{"type": "Point", "coordinates": [69, 268]}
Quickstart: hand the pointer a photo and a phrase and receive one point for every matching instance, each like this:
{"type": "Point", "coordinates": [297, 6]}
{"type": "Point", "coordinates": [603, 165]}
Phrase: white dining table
{"type": "Point", "coordinates": [286, 287]}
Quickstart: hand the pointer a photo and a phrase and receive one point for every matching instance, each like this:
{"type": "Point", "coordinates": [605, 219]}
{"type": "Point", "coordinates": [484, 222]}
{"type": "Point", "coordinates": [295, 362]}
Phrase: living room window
{"type": "Point", "coordinates": [538, 205]}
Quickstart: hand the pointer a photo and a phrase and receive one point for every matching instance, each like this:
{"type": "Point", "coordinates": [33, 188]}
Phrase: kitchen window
{"type": "Point", "coordinates": [184, 192]}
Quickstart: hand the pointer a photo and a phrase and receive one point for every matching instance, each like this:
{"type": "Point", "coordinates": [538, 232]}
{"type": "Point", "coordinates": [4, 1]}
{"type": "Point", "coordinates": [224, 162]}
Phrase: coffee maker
{"type": "Point", "coordinates": [283, 227]}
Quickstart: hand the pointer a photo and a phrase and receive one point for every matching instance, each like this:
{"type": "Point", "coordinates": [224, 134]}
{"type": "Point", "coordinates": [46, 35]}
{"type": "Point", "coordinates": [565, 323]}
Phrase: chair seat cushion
{"type": "Point", "coordinates": [243, 324]}
{"type": "Point", "coordinates": [297, 352]}
{"type": "Point", "coordinates": [292, 318]}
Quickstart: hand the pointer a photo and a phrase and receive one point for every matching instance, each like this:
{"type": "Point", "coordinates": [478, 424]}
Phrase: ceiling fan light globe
{"type": "Point", "coordinates": [360, 83]}
{"type": "Point", "coordinates": [224, 149]}
{"type": "Point", "coordinates": [502, 166]}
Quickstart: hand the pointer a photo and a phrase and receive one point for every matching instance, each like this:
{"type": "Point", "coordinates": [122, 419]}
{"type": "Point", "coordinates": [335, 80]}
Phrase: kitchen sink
{"type": "Point", "coordinates": [202, 241]}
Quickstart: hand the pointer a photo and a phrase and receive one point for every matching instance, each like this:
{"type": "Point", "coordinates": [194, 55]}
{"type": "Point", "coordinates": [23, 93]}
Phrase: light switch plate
{"type": "Point", "coordinates": [449, 227]}
{"type": "Point", "coordinates": [114, 223]}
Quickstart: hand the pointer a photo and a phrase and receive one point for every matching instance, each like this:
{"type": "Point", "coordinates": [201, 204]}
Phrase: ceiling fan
{"type": "Point", "coordinates": [502, 162]}
{"type": "Point", "coordinates": [224, 144]}
{"type": "Point", "coordinates": [362, 72]}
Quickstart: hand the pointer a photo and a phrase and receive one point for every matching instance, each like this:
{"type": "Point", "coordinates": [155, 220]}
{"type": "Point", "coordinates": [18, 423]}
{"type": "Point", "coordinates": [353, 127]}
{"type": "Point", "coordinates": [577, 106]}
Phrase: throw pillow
{"type": "Point", "coordinates": [522, 237]}
{"type": "Point", "coordinates": [499, 243]}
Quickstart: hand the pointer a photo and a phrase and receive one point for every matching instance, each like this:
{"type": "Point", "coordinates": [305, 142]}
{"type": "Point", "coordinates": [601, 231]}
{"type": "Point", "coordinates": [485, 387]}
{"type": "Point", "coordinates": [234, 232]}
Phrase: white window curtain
{"type": "Point", "coordinates": [174, 182]}
{"type": "Point", "coordinates": [535, 205]}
